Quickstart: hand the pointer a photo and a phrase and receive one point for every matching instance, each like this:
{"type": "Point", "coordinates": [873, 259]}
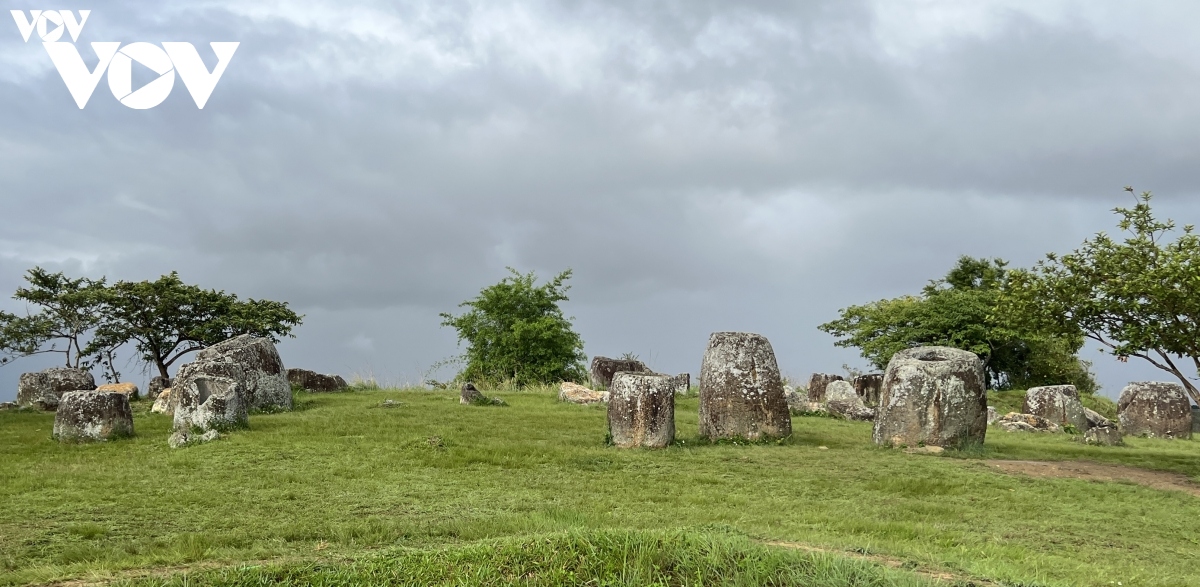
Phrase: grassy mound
{"type": "Point", "coordinates": [604, 558]}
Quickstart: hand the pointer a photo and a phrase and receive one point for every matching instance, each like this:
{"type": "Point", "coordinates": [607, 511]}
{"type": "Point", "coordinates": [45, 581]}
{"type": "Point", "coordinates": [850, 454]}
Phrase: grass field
{"type": "Point", "coordinates": [343, 491]}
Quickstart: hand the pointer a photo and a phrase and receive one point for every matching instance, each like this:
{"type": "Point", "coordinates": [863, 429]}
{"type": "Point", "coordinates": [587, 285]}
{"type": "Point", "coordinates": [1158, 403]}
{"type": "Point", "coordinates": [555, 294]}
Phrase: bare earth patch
{"type": "Point", "coordinates": [1090, 471]}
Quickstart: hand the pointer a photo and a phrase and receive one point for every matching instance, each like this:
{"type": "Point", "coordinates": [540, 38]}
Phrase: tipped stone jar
{"type": "Point", "coordinates": [933, 396]}
{"type": "Point", "coordinates": [641, 410]}
{"type": "Point", "coordinates": [741, 393]}
{"type": "Point", "coordinates": [1057, 403]}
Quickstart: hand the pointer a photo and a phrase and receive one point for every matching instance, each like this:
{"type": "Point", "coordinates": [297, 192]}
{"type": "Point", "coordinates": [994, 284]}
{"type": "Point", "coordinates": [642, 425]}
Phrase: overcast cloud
{"type": "Point", "coordinates": [701, 166]}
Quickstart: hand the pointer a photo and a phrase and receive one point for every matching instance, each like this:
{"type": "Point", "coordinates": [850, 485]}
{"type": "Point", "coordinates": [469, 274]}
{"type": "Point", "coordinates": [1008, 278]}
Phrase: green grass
{"type": "Point", "coordinates": [343, 492]}
{"type": "Point", "coordinates": [572, 558]}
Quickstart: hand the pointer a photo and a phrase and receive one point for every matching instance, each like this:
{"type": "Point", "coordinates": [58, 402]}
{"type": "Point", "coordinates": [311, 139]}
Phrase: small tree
{"type": "Point", "coordinates": [956, 311]}
{"type": "Point", "coordinates": [167, 319]}
{"type": "Point", "coordinates": [516, 330]}
{"type": "Point", "coordinates": [68, 309]}
{"type": "Point", "coordinates": [1138, 298]}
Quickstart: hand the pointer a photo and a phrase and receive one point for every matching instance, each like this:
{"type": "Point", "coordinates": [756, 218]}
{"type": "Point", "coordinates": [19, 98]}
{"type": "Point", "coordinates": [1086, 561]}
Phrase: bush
{"type": "Point", "coordinates": [515, 331]}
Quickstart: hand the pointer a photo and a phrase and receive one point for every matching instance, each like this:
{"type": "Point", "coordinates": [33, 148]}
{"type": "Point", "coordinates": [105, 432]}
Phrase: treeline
{"type": "Point", "coordinates": [88, 320]}
{"type": "Point", "coordinates": [1138, 297]}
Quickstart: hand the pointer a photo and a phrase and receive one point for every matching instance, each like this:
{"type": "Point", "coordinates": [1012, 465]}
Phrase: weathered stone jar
{"type": "Point", "coordinates": [209, 402]}
{"type": "Point", "coordinates": [841, 399]}
{"type": "Point", "coordinates": [641, 410]}
{"type": "Point", "coordinates": [817, 384]}
{"type": "Point", "coordinates": [44, 388]}
{"type": "Point", "coordinates": [1155, 409]}
{"type": "Point", "coordinates": [603, 369]}
{"type": "Point", "coordinates": [157, 384]}
{"type": "Point", "coordinates": [936, 396]}
{"type": "Point", "coordinates": [869, 387]}
{"type": "Point", "coordinates": [741, 393]}
{"type": "Point", "coordinates": [266, 385]}
{"type": "Point", "coordinates": [85, 416]}
{"type": "Point", "coordinates": [313, 381]}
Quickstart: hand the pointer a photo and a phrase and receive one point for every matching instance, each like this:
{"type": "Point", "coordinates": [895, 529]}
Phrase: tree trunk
{"type": "Point", "coordinates": [1189, 388]}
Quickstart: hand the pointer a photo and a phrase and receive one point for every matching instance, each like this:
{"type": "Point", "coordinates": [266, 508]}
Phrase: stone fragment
{"type": "Point", "coordinates": [992, 415]}
{"type": "Point", "coordinates": [266, 384]}
{"type": "Point", "coordinates": [741, 392]}
{"type": "Point", "coordinates": [128, 389]}
{"type": "Point", "coordinates": [313, 381]}
{"type": "Point", "coordinates": [1057, 403]}
{"type": "Point", "coordinates": [84, 416]}
{"type": "Point", "coordinates": [603, 369]}
{"type": "Point", "coordinates": [925, 450]}
{"type": "Point", "coordinates": [1014, 422]}
{"type": "Point", "coordinates": [817, 384]}
{"type": "Point", "coordinates": [162, 404]}
{"type": "Point", "coordinates": [843, 400]}
{"type": "Point", "coordinates": [1095, 419]}
{"type": "Point", "coordinates": [641, 410]}
{"type": "Point", "coordinates": [208, 402]}
{"type": "Point", "coordinates": [181, 438]}
{"type": "Point", "coordinates": [868, 387]}
{"type": "Point", "coordinates": [469, 395]}
{"type": "Point", "coordinates": [577, 394]}
{"type": "Point", "coordinates": [1103, 436]}
{"type": "Point", "coordinates": [933, 396]}
{"type": "Point", "coordinates": [42, 389]}
{"type": "Point", "coordinates": [1155, 409]}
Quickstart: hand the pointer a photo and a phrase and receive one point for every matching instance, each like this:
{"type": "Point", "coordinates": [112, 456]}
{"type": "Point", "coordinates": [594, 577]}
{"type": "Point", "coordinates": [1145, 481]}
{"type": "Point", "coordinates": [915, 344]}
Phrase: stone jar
{"type": "Point", "coordinates": [936, 396]}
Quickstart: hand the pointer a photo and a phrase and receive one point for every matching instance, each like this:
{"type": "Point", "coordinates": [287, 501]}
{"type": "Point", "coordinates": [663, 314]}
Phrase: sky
{"type": "Point", "coordinates": [700, 166]}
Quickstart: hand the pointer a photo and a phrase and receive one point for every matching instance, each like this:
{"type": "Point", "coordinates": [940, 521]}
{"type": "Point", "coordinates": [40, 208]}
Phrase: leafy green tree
{"type": "Point", "coordinates": [166, 319]}
{"type": "Point", "coordinates": [957, 311]}
{"type": "Point", "coordinates": [68, 310]}
{"type": "Point", "coordinates": [1139, 297]}
{"type": "Point", "coordinates": [516, 331]}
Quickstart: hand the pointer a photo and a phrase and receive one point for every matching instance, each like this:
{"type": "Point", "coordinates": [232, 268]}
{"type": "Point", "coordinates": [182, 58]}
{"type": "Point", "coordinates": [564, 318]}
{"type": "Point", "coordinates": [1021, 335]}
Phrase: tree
{"type": "Point", "coordinates": [957, 311]}
{"type": "Point", "coordinates": [516, 331]}
{"type": "Point", "coordinates": [68, 311]}
{"type": "Point", "coordinates": [167, 319]}
{"type": "Point", "coordinates": [1139, 297]}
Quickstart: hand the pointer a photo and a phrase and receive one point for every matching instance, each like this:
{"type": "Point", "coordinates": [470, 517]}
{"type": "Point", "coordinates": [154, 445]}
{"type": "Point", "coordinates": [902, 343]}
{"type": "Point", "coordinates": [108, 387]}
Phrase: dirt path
{"type": "Point", "coordinates": [1091, 471]}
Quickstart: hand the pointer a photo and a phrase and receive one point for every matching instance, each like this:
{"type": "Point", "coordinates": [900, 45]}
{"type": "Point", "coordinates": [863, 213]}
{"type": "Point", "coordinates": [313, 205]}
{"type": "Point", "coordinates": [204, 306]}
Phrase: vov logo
{"type": "Point", "coordinates": [117, 60]}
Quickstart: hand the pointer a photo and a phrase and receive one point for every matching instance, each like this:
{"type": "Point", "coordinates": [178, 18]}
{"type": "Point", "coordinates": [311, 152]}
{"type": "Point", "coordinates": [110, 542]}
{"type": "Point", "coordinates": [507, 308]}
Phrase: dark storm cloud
{"type": "Point", "coordinates": [701, 166]}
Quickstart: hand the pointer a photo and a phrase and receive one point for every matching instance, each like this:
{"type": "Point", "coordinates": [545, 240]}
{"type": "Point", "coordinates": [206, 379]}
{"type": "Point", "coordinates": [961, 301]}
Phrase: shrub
{"type": "Point", "coordinates": [516, 331]}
